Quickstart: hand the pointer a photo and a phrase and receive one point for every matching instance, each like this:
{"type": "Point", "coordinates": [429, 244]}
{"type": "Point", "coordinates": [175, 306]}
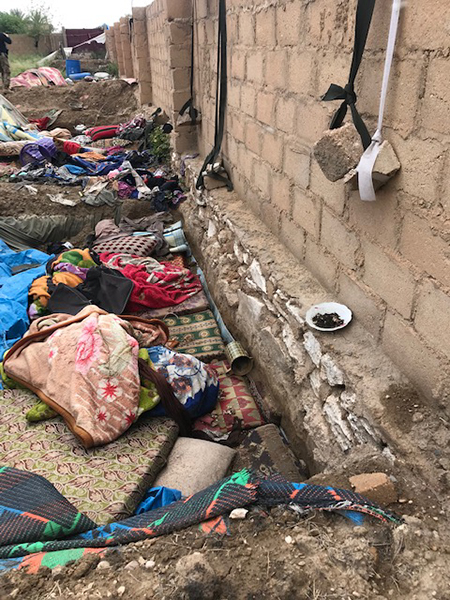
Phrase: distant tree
{"type": "Point", "coordinates": [14, 21]}
{"type": "Point", "coordinates": [39, 23]}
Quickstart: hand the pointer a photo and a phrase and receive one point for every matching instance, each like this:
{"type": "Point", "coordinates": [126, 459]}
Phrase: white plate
{"type": "Point", "coordinates": [329, 307]}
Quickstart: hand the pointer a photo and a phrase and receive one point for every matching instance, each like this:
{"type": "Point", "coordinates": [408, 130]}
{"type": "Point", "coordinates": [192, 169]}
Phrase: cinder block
{"type": "Point", "coordinates": [179, 57]}
{"type": "Point", "coordinates": [389, 278]}
{"type": "Point", "coordinates": [265, 103]}
{"type": "Point", "coordinates": [180, 79]}
{"type": "Point", "coordinates": [424, 248]}
{"type": "Point", "coordinates": [365, 307]}
{"type": "Point", "coordinates": [333, 194]}
{"type": "Point", "coordinates": [262, 177]}
{"type": "Point", "coordinates": [234, 94]}
{"type": "Point", "coordinates": [255, 67]}
{"type": "Point", "coordinates": [297, 165]}
{"type": "Point", "coordinates": [253, 136]}
{"type": "Point", "coordinates": [432, 320]}
{"type": "Point", "coordinates": [301, 67]}
{"type": "Point", "coordinates": [178, 9]}
{"type": "Point", "coordinates": [248, 100]}
{"type": "Point", "coordinates": [288, 24]}
{"type": "Point", "coordinates": [376, 487]}
{"type": "Point", "coordinates": [238, 63]}
{"type": "Point", "coordinates": [272, 149]}
{"type": "Point", "coordinates": [246, 28]}
{"type": "Point", "coordinates": [339, 240]}
{"type": "Point", "coordinates": [276, 69]}
{"type": "Point", "coordinates": [292, 236]}
{"type": "Point", "coordinates": [285, 114]}
{"type": "Point", "coordinates": [414, 357]}
{"type": "Point", "coordinates": [281, 193]}
{"type": "Point", "coordinates": [321, 264]}
{"type": "Point", "coordinates": [380, 219]}
{"type": "Point", "coordinates": [425, 25]}
{"type": "Point", "coordinates": [265, 28]}
{"type": "Point", "coordinates": [178, 32]}
{"type": "Point", "coordinates": [306, 212]}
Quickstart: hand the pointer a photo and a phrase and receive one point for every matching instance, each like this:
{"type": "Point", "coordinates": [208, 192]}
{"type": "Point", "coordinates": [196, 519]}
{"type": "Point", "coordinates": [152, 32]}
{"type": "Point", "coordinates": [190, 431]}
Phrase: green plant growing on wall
{"type": "Point", "coordinates": [160, 144]}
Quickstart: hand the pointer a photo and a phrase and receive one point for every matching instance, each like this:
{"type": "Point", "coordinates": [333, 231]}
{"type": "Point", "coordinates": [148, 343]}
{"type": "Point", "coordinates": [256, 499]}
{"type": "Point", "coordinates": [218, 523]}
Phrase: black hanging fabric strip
{"type": "Point", "coordinates": [221, 101]}
{"type": "Point", "coordinates": [189, 105]}
{"type": "Point", "coordinates": [364, 14]}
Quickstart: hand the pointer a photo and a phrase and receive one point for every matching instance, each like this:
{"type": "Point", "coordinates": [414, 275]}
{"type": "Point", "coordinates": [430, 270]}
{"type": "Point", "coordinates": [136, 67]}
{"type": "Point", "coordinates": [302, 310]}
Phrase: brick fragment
{"type": "Point", "coordinates": [376, 487]}
{"type": "Point", "coordinates": [338, 151]}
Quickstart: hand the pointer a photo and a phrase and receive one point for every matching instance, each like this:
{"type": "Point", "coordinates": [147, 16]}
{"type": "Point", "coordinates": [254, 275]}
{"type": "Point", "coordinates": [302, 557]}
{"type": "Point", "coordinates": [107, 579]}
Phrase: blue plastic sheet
{"type": "Point", "coordinates": [14, 320]}
{"type": "Point", "coordinates": [156, 498]}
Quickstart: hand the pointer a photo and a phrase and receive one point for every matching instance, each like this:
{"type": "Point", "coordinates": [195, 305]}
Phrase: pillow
{"type": "Point", "coordinates": [235, 400]}
{"type": "Point", "coordinates": [197, 334]}
{"type": "Point", "coordinates": [138, 245]}
{"type": "Point", "coordinates": [102, 133]}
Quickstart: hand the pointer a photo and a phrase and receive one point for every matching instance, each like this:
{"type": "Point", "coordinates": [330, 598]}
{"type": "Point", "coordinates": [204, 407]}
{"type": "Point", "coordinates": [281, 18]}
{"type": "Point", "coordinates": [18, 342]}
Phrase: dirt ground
{"type": "Point", "coordinates": [269, 555]}
{"type": "Point", "coordinates": [275, 556]}
{"type": "Point", "coordinates": [87, 103]}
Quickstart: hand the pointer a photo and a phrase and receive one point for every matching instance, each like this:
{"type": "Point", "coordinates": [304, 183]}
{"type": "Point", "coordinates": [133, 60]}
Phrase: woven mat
{"type": "Point", "coordinates": [105, 483]}
{"type": "Point", "coordinates": [197, 334]}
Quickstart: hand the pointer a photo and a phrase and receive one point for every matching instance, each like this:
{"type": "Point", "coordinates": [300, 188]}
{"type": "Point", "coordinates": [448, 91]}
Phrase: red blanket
{"type": "Point", "coordinates": [156, 285]}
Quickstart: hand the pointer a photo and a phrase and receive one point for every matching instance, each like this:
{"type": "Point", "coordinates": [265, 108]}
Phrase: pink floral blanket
{"type": "Point", "coordinates": [86, 368]}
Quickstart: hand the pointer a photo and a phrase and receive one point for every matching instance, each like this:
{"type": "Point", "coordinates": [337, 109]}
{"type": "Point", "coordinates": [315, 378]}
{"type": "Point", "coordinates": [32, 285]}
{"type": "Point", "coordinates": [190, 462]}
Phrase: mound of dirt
{"type": "Point", "coordinates": [267, 556]}
{"type": "Point", "coordinates": [102, 103]}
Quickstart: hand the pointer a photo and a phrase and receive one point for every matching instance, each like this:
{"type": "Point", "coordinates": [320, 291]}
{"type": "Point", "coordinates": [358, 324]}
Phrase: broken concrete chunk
{"type": "Point", "coordinates": [376, 487]}
{"type": "Point", "coordinates": [312, 347]}
{"type": "Point", "coordinates": [330, 371]}
{"type": "Point", "coordinates": [238, 513]}
{"type": "Point", "coordinates": [338, 151]}
{"type": "Point", "coordinates": [257, 276]}
{"type": "Point", "coordinates": [386, 166]}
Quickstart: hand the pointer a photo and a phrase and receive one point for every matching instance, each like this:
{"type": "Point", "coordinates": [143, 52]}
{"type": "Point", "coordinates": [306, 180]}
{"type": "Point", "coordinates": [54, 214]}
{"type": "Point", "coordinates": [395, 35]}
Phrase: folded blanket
{"type": "Point", "coordinates": [156, 285]}
{"type": "Point", "coordinates": [86, 369]}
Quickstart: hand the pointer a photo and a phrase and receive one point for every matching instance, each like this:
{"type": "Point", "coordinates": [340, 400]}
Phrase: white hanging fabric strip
{"type": "Point", "coordinates": [367, 162]}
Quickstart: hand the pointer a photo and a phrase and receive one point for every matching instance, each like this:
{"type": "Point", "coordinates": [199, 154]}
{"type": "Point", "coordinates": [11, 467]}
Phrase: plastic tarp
{"type": "Point", "coordinates": [14, 288]}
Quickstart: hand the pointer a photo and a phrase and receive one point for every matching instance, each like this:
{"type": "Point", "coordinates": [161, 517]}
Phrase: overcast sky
{"type": "Point", "coordinates": [74, 14]}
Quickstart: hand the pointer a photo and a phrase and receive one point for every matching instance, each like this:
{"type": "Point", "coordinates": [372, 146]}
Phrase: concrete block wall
{"type": "Point", "coordinates": [125, 35]}
{"type": "Point", "coordinates": [388, 260]}
{"type": "Point", "coordinates": [119, 52]}
{"type": "Point", "coordinates": [140, 54]}
{"type": "Point", "coordinates": [111, 45]}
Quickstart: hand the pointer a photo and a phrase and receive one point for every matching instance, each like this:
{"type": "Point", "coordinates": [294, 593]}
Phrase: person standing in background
{"type": "Point", "coordinates": [5, 71]}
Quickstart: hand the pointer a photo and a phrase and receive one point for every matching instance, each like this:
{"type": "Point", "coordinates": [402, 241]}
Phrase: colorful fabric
{"type": "Point", "coordinates": [84, 367]}
{"type": "Point", "coordinates": [194, 384]}
{"type": "Point", "coordinates": [239, 490]}
{"type": "Point", "coordinates": [197, 334]}
{"type": "Point", "coordinates": [70, 268]}
{"type": "Point", "coordinates": [44, 76]}
{"type": "Point", "coordinates": [235, 400]}
{"type": "Point", "coordinates": [194, 304]}
{"type": "Point", "coordinates": [156, 285]}
{"type": "Point", "coordinates": [102, 133]}
{"type": "Point", "coordinates": [105, 483]}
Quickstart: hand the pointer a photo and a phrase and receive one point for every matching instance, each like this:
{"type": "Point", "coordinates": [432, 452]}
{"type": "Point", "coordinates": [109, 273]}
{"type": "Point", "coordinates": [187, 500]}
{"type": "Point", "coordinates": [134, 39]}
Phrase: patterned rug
{"type": "Point", "coordinates": [105, 483]}
{"type": "Point", "coordinates": [235, 400]}
{"type": "Point", "coordinates": [51, 518]}
{"type": "Point", "coordinates": [197, 334]}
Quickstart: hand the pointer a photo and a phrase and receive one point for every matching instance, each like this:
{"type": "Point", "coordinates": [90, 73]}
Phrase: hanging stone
{"type": "Point", "coordinates": [386, 166]}
{"type": "Point", "coordinates": [338, 151]}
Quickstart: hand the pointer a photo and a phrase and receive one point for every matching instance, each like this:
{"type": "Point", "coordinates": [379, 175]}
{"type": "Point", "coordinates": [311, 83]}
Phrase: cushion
{"type": "Point", "coordinates": [102, 133]}
{"type": "Point", "coordinates": [106, 483]}
{"type": "Point", "coordinates": [138, 245]}
{"type": "Point", "coordinates": [194, 304]}
{"type": "Point", "coordinates": [194, 465]}
{"type": "Point", "coordinates": [235, 400]}
{"type": "Point", "coordinates": [196, 334]}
